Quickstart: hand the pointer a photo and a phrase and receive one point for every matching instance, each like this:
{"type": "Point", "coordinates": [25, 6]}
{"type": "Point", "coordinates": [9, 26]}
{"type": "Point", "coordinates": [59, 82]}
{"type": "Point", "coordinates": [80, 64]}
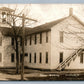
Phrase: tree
{"type": "Point", "coordinates": [16, 35]}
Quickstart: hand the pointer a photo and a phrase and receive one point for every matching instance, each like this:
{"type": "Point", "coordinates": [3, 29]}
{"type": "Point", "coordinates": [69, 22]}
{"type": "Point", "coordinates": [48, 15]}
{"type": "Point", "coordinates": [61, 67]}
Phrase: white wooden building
{"type": "Point", "coordinates": [55, 45]}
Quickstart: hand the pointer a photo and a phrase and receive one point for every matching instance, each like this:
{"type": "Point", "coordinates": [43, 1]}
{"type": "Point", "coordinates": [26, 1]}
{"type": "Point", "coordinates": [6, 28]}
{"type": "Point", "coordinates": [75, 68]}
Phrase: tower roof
{"type": "Point", "coordinates": [6, 9]}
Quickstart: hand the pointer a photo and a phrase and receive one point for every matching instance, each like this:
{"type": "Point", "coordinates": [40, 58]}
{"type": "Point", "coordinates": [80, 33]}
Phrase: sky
{"type": "Point", "coordinates": [44, 13]}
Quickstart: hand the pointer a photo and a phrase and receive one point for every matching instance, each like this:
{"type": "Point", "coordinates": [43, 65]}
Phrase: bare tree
{"type": "Point", "coordinates": [16, 34]}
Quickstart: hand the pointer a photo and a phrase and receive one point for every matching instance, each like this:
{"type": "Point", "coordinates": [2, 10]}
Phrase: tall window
{"type": "Point", "coordinates": [12, 57]}
{"type": "Point", "coordinates": [0, 41]}
{"type": "Point", "coordinates": [40, 59]}
{"type": "Point", "coordinates": [26, 54]}
{"type": "Point", "coordinates": [61, 36]}
{"type": "Point", "coordinates": [61, 57]}
{"type": "Point", "coordinates": [12, 41]}
{"type": "Point", "coordinates": [81, 58]}
{"type": "Point", "coordinates": [0, 57]}
{"type": "Point", "coordinates": [46, 37]}
{"type": "Point", "coordinates": [21, 57]}
{"type": "Point", "coordinates": [35, 38]}
{"type": "Point", "coordinates": [34, 57]}
{"type": "Point", "coordinates": [25, 41]}
{"type": "Point", "coordinates": [30, 39]}
{"type": "Point", "coordinates": [40, 38]}
{"type": "Point", "coordinates": [21, 41]}
{"type": "Point", "coordinates": [46, 57]}
{"type": "Point", "coordinates": [30, 58]}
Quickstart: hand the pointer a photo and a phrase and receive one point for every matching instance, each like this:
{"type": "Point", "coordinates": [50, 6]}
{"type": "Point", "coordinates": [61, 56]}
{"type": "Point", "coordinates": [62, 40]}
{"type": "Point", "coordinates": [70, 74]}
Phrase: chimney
{"type": "Point", "coordinates": [70, 11]}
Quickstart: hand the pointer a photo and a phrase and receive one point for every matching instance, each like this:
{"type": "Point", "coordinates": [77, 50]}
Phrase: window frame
{"type": "Point", "coordinates": [46, 57]}
{"type": "Point", "coordinates": [61, 36]}
{"type": "Point", "coordinates": [12, 57]}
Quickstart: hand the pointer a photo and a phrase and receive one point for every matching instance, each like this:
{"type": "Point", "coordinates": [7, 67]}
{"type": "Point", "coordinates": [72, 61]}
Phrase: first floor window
{"type": "Point", "coordinates": [81, 58]}
{"type": "Point", "coordinates": [34, 57]}
{"type": "Point", "coordinates": [46, 57]}
{"type": "Point", "coordinates": [40, 59]}
{"type": "Point", "coordinates": [21, 57]}
{"type": "Point", "coordinates": [0, 57]}
{"type": "Point", "coordinates": [26, 54]}
{"type": "Point", "coordinates": [61, 57]}
{"type": "Point", "coordinates": [12, 57]}
{"type": "Point", "coordinates": [30, 58]}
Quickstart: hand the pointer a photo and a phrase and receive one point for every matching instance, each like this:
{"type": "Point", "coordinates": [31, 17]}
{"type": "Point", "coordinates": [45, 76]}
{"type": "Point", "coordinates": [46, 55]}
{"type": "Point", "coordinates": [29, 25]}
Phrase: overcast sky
{"type": "Point", "coordinates": [48, 12]}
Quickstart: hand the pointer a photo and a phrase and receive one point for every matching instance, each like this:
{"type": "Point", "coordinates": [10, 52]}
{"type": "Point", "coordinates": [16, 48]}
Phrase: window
{"type": "Point", "coordinates": [0, 57]}
{"type": "Point", "coordinates": [40, 59]}
{"type": "Point", "coordinates": [81, 58]}
{"type": "Point", "coordinates": [0, 41]}
{"type": "Point", "coordinates": [26, 54]}
{"type": "Point", "coordinates": [21, 57]}
{"type": "Point", "coordinates": [35, 38]}
{"type": "Point", "coordinates": [30, 39]}
{"type": "Point", "coordinates": [34, 57]}
{"type": "Point", "coordinates": [12, 57]}
{"type": "Point", "coordinates": [61, 57]}
{"type": "Point", "coordinates": [61, 36]}
{"type": "Point", "coordinates": [46, 57]}
{"type": "Point", "coordinates": [46, 37]}
{"type": "Point", "coordinates": [21, 41]}
{"type": "Point", "coordinates": [30, 58]}
{"type": "Point", "coordinates": [3, 17]}
{"type": "Point", "coordinates": [40, 38]}
{"type": "Point", "coordinates": [12, 41]}
{"type": "Point", "coordinates": [25, 41]}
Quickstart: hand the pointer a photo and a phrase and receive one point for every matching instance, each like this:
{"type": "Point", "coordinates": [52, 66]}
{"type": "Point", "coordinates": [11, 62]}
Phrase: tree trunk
{"type": "Point", "coordinates": [17, 56]}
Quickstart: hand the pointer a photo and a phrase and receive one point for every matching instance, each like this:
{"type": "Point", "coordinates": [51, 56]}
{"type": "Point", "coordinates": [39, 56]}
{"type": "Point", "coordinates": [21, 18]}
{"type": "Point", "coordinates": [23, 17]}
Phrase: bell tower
{"type": "Point", "coordinates": [5, 15]}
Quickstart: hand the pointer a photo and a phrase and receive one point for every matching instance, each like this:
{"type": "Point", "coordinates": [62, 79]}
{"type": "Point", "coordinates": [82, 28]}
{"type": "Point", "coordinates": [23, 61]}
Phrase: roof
{"type": "Point", "coordinates": [10, 31]}
{"type": "Point", "coordinates": [46, 26]}
{"type": "Point", "coordinates": [6, 9]}
{"type": "Point", "coordinates": [41, 28]}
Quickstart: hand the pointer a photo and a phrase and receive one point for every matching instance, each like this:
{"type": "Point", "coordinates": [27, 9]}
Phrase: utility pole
{"type": "Point", "coordinates": [23, 39]}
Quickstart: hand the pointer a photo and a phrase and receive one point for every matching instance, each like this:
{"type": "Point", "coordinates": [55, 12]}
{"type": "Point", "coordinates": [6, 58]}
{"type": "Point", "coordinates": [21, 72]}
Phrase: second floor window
{"type": "Point", "coordinates": [61, 36]}
{"type": "Point", "coordinates": [30, 39]}
{"type": "Point", "coordinates": [40, 38]}
{"type": "Point", "coordinates": [0, 41]}
{"type": "Point", "coordinates": [21, 41]}
{"type": "Point", "coordinates": [25, 41]}
{"type": "Point", "coordinates": [12, 41]}
{"type": "Point", "coordinates": [35, 38]}
{"type": "Point", "coordinates": [46, 37]}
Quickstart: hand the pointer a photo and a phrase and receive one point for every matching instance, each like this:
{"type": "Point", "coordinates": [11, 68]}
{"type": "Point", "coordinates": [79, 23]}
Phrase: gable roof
{"type": "Point", "coordinates": [37, 29]}
{"type": "Point", "coordinates": [48, 26]}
